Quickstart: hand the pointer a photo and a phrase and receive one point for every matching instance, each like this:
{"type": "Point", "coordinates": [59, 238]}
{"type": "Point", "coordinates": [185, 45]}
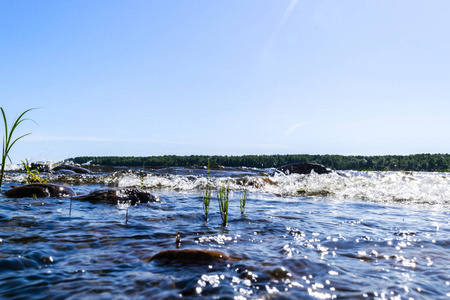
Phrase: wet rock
{"type": "Point", "coordinates": [40, 190]}
{"type": "Point", "coordinates": [77, 170]}
{"type": "Point", "coordinates": [303, 168]}
{"type": "Point", "coordinates": [307, 193]}
{"type": "Point", "coordinates": [132, 195]}
{"type": "Point", "coordinates": [256, 181]}
{"type": "Point", "coordinates": [41, 167]}
{"type": "Point", "coordinates": [280, 273]}
{"type": "Point", "coordinates": [66, 172]}
{"type": "Point", "coordinates": [191, 256]}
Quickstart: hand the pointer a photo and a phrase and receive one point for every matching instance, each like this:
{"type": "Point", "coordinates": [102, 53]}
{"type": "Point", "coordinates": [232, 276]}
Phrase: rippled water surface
{"type": "Point", "coordinates": [347, 235]}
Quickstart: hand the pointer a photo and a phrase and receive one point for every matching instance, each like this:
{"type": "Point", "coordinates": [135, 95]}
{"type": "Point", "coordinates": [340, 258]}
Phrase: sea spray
{"type": "Point", "coordinates": [386, 187]}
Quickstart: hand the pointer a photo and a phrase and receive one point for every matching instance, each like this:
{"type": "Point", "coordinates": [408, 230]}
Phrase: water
{"type": "Point", "coordinates": [353, 235]}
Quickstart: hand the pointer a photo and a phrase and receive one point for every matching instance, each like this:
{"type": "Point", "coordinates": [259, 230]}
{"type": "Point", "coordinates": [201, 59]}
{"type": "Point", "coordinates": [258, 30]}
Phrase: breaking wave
{"type": "Point", "coordinates": [397, 187]}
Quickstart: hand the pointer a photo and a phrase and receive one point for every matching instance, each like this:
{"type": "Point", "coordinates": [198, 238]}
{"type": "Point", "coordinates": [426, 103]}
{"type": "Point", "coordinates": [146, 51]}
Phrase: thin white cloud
{"type": "Point", "coordinates": [268, 146]}
{"type": "Point", "coordinates": [286, 15]}
{"type": "Point", "coordinates": [56, 138]}
{"type": "Point", "coordinates": [51, 138]}
{"type": "Point", "coordinates": [296, 126]}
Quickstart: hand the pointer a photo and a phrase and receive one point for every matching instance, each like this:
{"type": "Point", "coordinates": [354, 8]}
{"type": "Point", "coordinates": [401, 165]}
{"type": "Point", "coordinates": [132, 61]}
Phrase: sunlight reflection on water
{"type": "Point", "coordinates": [289, 245]}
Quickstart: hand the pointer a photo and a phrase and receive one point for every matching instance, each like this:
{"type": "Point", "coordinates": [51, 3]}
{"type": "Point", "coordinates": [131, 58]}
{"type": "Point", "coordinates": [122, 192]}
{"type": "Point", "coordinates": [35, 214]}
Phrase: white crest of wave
{"type": "Point", "coordinates": [410, 187]}
{"type": "Point", "coordinates": [13, 167]}
{"type": "Point", "coordinates": [417, 187]}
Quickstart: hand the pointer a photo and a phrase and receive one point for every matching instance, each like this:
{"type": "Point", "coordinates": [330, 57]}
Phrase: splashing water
{"type": "Point", "coordinates": [410, 187]}
{"type": "Point", "coordinates": [353, 235]}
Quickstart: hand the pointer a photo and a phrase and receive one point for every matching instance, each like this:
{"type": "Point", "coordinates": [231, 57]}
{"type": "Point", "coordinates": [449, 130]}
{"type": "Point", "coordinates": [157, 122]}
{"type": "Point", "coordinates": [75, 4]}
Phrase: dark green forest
{"type": "Point", "coordinates": [416, 162]}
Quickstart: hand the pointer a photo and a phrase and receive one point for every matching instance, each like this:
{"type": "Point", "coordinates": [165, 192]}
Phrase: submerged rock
{"type": "Point", "coordinates": [191, 256]}
{"type": "Point", "coordinates": [77, 170]}
{"type": "Point", "coordinates": [303, 168]}
{"type": "Point", "coordinates": [280, 274]}
{"type": "Point", "coordinates": [40, 190]}
{"type": "Point", "coordinates": [132, 195]}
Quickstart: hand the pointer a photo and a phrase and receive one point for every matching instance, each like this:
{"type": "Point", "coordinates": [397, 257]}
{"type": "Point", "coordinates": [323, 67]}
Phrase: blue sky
{"type": "Point", "coordinates": [226, 77]}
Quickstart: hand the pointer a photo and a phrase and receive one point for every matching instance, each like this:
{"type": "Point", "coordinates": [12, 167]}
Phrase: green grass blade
{"type": "Point", "coordinates": [10, 146]}
{"type": "Point", "coordinates": [7, 145]}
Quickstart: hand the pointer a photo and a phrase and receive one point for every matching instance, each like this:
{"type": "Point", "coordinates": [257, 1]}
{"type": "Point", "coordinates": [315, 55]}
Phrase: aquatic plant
{"type": "Point", "coordinates": [7, 139]}
{"type": "Point", "coordinates": [242, 202]}
{"type": "Point", "coordinates": [142, 176]}
{"type": "Point", "coordinates": [243, 199]}
{"type": "Point", "coordinates": [206, 201]}
{"type": "Point", "coordinates": [223, 198]}
{"type": "Point", "coordinates": [206, 196]}
{"type": "Point", "coordinates": [32, 175]}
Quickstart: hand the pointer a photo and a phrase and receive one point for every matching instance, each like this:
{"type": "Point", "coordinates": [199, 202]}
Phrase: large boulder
{"type": "Point", "coordinates": [113, 196]}
{"type": "Point", "coordinates": [40, 190]}
{"type": "Point", "coordinates": [190, 256]}
{"type": "Point", "coordinates": [77, 170]}
{"type": "Point", "coordinates": [303, 168]}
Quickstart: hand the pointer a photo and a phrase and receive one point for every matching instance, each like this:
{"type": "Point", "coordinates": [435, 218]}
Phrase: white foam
{"type": "Point", "coordinates": [13, 167]}
{"type": "Point", "coordinates": [410, 187]}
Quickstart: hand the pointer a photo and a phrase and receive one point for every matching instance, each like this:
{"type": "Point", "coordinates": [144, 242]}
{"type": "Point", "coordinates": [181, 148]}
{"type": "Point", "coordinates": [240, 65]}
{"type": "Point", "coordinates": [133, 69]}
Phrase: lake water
{"type": "Point", "coordinates": [346, 235]}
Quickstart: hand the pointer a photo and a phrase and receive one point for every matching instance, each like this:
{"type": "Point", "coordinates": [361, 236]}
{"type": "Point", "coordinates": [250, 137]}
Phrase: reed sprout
{"type": "Point", "coordinates": [206, 201]}
{"type": "Point", "coordinates": [223, 197]}
{"type": "Point", "coordinates": [242, 202]}
{"type": "Point", "coordinates": [32, 175]}
{"type": "Point", "coordinates": [243, 199]}
{"type": "Point", "coordinates": [142, 176]}
{"type": "Point", "coordinates": [206, 196]}
{"type": "Point", "coordinates": [8, 142]}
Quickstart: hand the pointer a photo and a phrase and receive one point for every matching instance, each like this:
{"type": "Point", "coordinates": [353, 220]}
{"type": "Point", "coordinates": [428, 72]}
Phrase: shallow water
{"type": "Point", "coordinates": [353, 235]}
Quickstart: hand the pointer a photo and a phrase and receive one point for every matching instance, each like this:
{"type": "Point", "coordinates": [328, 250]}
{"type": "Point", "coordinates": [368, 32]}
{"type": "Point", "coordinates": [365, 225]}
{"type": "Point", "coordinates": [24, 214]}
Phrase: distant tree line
{"type": "Point", "coordinates": [416, 162]}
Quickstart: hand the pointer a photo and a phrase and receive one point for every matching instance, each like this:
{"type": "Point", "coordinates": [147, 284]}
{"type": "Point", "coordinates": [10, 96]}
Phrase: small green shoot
{"type": "Point", "coordinates": [7, 139]}
{"type": "Point", "coordinates": [206, 196]}
{"type": "Point", "coordinates": [243, 199]}
{"type": "Point", "coordinates": [32, 175]}
{"type": "Point", "coordinates": [223, 198]}
{"type": "Point", "coordinates": [242, 202]}
{"type": "Point", "coordinates": [206, 201]}
{"type": "Point", "coordinates": [142, 176]}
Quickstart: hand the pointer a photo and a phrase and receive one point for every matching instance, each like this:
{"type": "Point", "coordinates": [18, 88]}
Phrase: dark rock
{"type": "Point", "coordinates": [40, 190]}
{"type": "Point", "coordinates": [66, 172]}
{"type": "Point", "coordinates": [40, 167]}
{"type": "Point", "coordinates": [78, 170]}
{"type": "Point", "coordinates": [191, 256]}
{"type": "Point", "coordinates": [303, 168]}
{"type": "Point", "coordinates": [133, 195]}
{"type": "Point", "coordinates": [256, 181]}
{"type": "Point", "coordinates": [280, 273]}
